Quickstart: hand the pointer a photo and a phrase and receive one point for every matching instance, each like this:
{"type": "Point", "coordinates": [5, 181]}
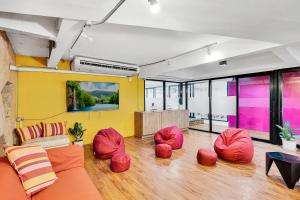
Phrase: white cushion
{"type": "Point", "coordinates": [49, 142]}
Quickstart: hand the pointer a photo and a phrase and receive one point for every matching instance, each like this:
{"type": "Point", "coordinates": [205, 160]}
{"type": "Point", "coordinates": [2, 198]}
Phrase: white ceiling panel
{"type": "Point", "coordinates": [139, 45]}
{"type": "Point", "coordinates": [93, 10]}
{"type": "Point", "coordinates": [29, 46]}
{"type": "Point", "coordinates": [275, 21]}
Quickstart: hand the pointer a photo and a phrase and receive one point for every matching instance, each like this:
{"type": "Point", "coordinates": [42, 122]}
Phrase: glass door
{"type": "Point", "coordinates": [223, 104]}
{"type": "Point", "coordinates": [198, 105]}
{"type": "Point", "coordinates": [254, 105]}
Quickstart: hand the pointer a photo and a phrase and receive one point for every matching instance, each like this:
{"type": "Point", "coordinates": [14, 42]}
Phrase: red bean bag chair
{"type": "Point", "coordinates": [163, 150]}
{"type": "Point", "coordinates": [234, 145]}
{"type": "Point", "coordinates": [171, 135]}
{"type": "Point", "coordinates": [107, 143]}
{"type": "Point", "coordinates": [120, 162]}
{"type": "Point", "coordinates": [207, 157]}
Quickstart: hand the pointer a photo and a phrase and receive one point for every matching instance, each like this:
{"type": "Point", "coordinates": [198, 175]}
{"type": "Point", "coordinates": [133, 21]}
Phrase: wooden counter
{"type": "Point", "coordinates": [148, 123]}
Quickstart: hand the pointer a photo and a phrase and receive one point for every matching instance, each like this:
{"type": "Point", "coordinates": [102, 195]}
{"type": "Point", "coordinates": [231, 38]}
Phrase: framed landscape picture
{"type": "Point", "coordinates": [92, 96]}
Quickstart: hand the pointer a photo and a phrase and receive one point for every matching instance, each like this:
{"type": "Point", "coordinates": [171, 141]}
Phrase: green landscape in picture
{"type": "Point", "coordinates": [92, 96]}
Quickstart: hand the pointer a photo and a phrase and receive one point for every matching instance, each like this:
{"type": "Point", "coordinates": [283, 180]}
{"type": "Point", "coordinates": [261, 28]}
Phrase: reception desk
{"type": "Point", "coordinates": [148, 123]}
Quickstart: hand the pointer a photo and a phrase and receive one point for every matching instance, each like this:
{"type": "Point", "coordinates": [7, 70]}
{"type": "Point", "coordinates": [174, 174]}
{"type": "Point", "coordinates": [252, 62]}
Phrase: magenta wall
{"type": "Point", "coordinates": [291, 99]}
{"type": "Point", "coordinates": [254, 103]}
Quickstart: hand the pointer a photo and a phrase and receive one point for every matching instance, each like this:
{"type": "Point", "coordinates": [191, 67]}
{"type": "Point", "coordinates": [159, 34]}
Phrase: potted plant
{"type": "Point", "coordinates": [77, 132]}
{"type": "Point", "coordinates": [288, 138]}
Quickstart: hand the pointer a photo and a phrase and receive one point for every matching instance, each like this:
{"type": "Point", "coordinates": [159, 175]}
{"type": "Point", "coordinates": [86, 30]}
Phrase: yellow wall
{"type": "Point", "coordinates": [42, 95]}
{"type": "Point", "coordinates": [39, 62]}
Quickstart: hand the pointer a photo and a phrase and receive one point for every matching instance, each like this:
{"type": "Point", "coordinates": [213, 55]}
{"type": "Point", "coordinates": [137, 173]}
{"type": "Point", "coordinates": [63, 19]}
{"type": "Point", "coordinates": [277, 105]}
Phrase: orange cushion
{"type": "Point", "coordinates": [52, 129]}
{"type": "Point", "coordinates": [72, 184]}
{"type": "Point", "coordinates": [30, 132]}
{"type": "Point", "coordinates": [11, 187]}
{"type": "Point", "coordinates": [33, 167]}
{"type": "Point", "coordinates": [65, 158]}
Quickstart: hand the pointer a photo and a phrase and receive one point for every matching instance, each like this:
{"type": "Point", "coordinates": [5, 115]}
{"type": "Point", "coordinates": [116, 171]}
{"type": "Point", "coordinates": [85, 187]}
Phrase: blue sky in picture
{"type": "Point", "coordinates": [93, 86]}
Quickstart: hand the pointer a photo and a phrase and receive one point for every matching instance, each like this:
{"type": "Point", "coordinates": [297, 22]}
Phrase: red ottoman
{"type": "Point", "coordinates": [207, 157]}
{"type": "Point", "coordinates": [235, 145]}
{"type": "Point", "coordinates": [163, 150]}
{"type": "Point", "coordinates": [171, 135]}
{"type": "Point", "coordinates": [107, 143]}
{"type": "Point", "coordinates": [120, 162]}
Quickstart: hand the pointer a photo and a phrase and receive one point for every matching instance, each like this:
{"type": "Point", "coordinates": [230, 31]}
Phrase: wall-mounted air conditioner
{"type": "Point", "coordinates": [96, 66]}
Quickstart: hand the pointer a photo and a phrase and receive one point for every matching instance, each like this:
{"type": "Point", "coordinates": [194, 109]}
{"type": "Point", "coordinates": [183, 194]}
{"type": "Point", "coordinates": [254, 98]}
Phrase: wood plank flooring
{"type": "Point", "coordinates": [181, 177]}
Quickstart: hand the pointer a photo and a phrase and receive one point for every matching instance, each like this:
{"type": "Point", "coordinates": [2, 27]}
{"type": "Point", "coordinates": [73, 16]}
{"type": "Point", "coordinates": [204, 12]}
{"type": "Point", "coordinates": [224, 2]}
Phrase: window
{"type": "Point", "coordinates": [153, 95]}
{"type": "Point", "coordinates": [175, 96]}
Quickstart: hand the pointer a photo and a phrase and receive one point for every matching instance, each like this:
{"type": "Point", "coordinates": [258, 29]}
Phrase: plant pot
{"type": "Point", "coordinates": [78, 142]}
{"type": "Point", "coordinates": [289, 145]}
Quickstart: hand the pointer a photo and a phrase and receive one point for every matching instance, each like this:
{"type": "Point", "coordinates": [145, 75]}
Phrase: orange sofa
{"type": "Point", "coordinates": [73, 182]}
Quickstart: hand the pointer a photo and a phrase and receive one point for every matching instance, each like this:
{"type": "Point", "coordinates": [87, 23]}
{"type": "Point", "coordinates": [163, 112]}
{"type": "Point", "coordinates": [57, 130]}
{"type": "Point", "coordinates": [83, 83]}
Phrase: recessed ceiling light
{"type": "Point", "coordinates": [154, 6]}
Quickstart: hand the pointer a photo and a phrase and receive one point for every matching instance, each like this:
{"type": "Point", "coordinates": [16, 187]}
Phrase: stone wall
{"type": "Point", "coordinates": [8, 85]}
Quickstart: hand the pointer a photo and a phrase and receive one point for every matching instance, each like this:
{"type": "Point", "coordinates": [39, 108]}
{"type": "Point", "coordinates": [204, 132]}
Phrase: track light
{"type": "Point", "coordinates": [154, 6]}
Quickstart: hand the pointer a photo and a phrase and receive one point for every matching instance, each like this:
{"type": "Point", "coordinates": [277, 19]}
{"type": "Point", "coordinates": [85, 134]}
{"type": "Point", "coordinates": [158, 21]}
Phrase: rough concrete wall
{"type": "Point", "coordinates": [8, 85]}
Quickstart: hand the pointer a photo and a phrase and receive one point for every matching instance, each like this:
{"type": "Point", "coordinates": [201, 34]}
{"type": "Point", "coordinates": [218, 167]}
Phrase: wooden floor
{"type": "Point", "coordinates": [217, 128]}
{"type": "Point", "coordinates": [181, 177]}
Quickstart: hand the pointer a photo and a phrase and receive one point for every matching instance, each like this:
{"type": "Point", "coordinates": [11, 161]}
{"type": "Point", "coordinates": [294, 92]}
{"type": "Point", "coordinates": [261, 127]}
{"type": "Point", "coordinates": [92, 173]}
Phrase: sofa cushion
{"type": "Point", "coordinates": [49, 142]}
{"type": "Point", "coordinates": [64, 158]}
{"type": "Point", "coordinates": [33, 167]}
{"type": "Point", "coordinates": [73, 184]}
{"type": "Point", "coordinates": [10, 184]}
{"type": "Point", "coordinates": [52, 129]}
{"type": "Point", "coordinates": [30, 132]}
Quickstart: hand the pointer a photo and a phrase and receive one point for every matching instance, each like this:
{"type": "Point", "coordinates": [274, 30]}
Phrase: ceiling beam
{"type": "Point", "coordinates": [69, 30]}
{"type": "Point", "coordinates": [228, 49]}
{"type": "Point", "coordinates": [41, 27]}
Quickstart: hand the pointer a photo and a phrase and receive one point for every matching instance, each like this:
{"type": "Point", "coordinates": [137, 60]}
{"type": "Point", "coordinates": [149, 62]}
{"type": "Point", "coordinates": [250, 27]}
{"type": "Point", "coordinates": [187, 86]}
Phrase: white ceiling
{"type": "Point", "coordinates": [275, 21]}
{"type": "Point", "coordinates": [253, 35]}
{"type": "Point", "coordinates": [29, 46]}
{"type": "Point", "coordinates": [139, 45]}
{"type": "Point", "coordinates": [263, 61]}
{"type": "Point", "coordinates": [93, 10]}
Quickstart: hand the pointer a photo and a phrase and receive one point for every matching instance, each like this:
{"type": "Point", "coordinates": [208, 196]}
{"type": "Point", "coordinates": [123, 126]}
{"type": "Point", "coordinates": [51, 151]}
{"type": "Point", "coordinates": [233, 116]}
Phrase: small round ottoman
{"type": "Point", "coordinates": [207, 157]}
{"type": "Point", "coordinates": [163, 150]}
{"type": "Point", "coordinates": [120, 162]}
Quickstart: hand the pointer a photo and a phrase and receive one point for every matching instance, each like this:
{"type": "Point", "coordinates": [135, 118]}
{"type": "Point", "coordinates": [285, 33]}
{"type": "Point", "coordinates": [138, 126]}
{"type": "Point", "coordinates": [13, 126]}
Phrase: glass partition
{"type": "Point", "coordinates": [174, 96]}
{"type": "Point", "coordinates": [154, 96]}
{"type": "Point", "coordinates": [291, 100]}
{"type": "Point", "coordinates": [254, 106]}
{"type": "Point", "coordinates": [223, 103]}
{"type": "Point", "coordinates": [198, 105]}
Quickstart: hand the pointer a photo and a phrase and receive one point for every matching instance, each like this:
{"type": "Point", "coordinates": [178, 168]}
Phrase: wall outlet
{"type": "Point", "coordinates": [20, 119]}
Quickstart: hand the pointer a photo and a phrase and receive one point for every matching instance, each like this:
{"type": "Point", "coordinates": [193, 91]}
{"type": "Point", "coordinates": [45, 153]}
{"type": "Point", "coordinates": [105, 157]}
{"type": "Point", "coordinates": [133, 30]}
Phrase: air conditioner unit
{"type": "Point", "coordinates": [96, 66]}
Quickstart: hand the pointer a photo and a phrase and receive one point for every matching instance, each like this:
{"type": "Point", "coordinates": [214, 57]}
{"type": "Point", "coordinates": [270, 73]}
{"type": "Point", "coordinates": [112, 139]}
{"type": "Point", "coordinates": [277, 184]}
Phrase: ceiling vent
{"type": "Point", "coordinates": [96, 66]}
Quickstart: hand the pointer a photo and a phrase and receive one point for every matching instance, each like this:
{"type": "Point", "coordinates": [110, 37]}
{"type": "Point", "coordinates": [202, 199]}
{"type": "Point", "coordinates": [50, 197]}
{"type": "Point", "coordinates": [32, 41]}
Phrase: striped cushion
{"type": "Point", "coordinates": [33, 167]}
{"type": "Point", "coordinates": [30, 132]}
{"type": "Point", "coordinates": [52, 129]}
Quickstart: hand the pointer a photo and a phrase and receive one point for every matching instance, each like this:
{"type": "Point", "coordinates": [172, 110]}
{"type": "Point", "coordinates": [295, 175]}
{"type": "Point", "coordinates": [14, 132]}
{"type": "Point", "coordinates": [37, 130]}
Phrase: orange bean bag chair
{"type": "Point", "coordinates": [234, 145]}
{"type": "Point", "coordinates": [171, 135]}
{"type": "Point", "coordinates": [107, 143]}
{"type": "Point", "coordinates": [163, 150]}
{"type": "Point", "coordinates": [207, 157]}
